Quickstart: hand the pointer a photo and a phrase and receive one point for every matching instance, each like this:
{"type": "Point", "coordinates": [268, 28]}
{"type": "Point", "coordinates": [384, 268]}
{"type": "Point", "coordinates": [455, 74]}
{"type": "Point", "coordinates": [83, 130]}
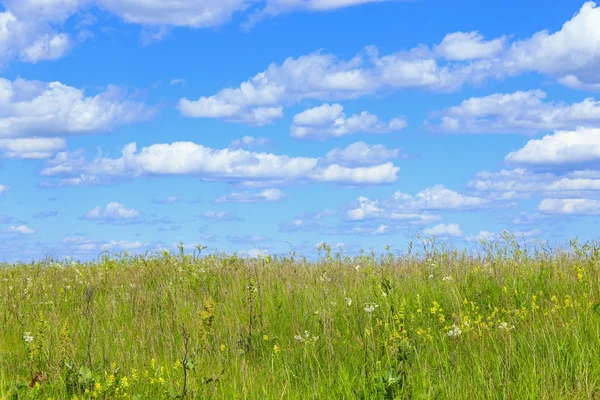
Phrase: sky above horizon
{"type": "Point", "coordinates": [272, 125]}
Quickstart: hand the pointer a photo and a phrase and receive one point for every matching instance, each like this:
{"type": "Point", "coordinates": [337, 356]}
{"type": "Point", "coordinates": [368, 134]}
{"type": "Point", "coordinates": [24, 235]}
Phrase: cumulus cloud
{"type": "Point", "coordinates": [113, 212]}
{"type": "Point", "coordinates": [361, 153]}
{"type": "Point", "coordinates": [29, 29]}
{"type": "Point", "coordinates": [3, 189]}
{"type": "Point", "coordinates": [521, 183]}
{"type": "Point", "coordinates": [416, 209]}
{"type": "Point", "coordinates": [445, 230]}
{"type": "Point", "coordinates": [30, 39]}
{"type": "Point", "coordinates": [265, 196]}
{"type": "Point", "coordinates": [569, 55]}
{"type": "Point", "coordinates": [329, 120]}
{"type": "Point", "coordinates": [461, 46]}
{"type": "Point", "coordinates": [439, 197]}
{"type": "Point", "coordinates": [20, 230]}
{"type": "Point", "coordinates": [31, 148]}
{"type": "Point", "coordinates": [187, 158]}
{"type": "Point", "coordinates": [562, 148]}
{"type": "Point", "coordinates": [519, 112]}
{"type": "Point", "coordinates": [570, 206]}
{"type": "Point", "coordinates": [372, 175]}
{"type": "Point", "coordinates": [33, 108]}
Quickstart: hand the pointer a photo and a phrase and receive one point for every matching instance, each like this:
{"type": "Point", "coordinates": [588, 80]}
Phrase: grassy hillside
{"type": "Point", "coordinates": [435, 323]}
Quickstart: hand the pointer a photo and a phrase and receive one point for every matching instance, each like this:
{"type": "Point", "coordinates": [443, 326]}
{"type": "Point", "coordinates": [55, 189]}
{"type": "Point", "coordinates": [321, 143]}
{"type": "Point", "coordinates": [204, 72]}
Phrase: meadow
{"type": "Point", "coordinates": [515, 320]}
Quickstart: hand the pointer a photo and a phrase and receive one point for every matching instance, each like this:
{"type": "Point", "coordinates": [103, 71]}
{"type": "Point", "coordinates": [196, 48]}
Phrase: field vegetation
{"type": "Point", "coordinates": [514, 320]}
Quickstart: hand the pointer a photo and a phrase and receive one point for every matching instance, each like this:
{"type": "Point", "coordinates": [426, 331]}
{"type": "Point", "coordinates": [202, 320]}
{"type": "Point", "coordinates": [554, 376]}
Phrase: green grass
{"type": "Point", "coordinates": [508, 323]}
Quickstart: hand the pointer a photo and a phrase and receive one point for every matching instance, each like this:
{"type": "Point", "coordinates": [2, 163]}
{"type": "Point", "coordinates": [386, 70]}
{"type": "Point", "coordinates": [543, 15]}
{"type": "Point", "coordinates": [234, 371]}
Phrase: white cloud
{"type": "Point", "coordinates": [373, 175]}
{"type": "Point", "coordinates": [570, 206]}
{"type": "Point", "coordinates": [360, 153]}
{"type": "Point", "coordinates": [570, 55]}
{"type": "Point", "coordinates": [177, 81]}
{"type": "Point", "coordinates": [265, 196]}
{"type": "Point", "coordinates": [439, 197]}
{"type": "Point", "coordinates": [47, 47]}
{"type": "Point", "coordinates": [329, 120]}
{"type": "Point", "coordinates": [521, 183]}
{"type": "Point", "coordinates": [562, 148]}
{"type": "Point", "coordinates": [3, 189]}
{"type": "Point", "coordinates": [445, 230]}
{"type": "Point", "coordinates": [37, 108]}
{"type": "Point", "coordinates": [31, 40]}
{"type": "Point", "coordinates": [20, 230]}
{"type": "Point", "coordinates": [187, 158]}
{"type": "Point", "coordinates": [462, 46]}
{"type": "Point", "coordinates": [367, 208]}
{"type": "Point", "coordinates": [113, 212]}
{"type": "Point", "coordinates": [31, 148]}
{"type": "Point", "coordinates": [519, 112]}
{"type": "Point", "coordinates": [404, 207]}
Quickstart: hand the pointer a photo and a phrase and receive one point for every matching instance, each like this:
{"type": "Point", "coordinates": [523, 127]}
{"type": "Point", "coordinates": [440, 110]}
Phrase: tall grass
{"type": "Point", "coordinates": [511, 322]}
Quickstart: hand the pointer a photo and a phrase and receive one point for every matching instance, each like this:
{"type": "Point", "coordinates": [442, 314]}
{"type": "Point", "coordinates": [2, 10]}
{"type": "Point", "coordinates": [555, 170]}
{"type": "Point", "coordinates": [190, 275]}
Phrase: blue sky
{"type": "Point", "coordinates": [266, 125]}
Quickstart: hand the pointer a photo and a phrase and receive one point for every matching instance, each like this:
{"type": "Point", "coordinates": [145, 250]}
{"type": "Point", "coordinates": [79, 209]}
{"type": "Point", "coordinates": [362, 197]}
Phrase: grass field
{"type": "Point", "coordinates": [515, 321]}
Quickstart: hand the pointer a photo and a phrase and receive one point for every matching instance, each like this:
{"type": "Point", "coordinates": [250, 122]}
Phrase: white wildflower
{"type": "Point", "coordinates": [306, 338]}
{"type": "Point", "coordinates": [431, 276]}
{"type": "Point", "coordinates": [447, 278]}
{"type": "Point", "coordinates": [455, 331]}
{"type": "Point", "coordinates": [370, 307]}
{"type": "Point", "coordinates": [357, 267]}
{"type": "Point", "coordinates": [504, 326]}
{"type": "Point", "coordinates": [348, 301]}
{"type": "Point", "coordinates": [27, 337]}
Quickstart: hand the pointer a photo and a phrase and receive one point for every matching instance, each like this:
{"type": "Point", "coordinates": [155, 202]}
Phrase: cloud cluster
{"type": "Point", "coordinates": [401, 207]}
{"type": "Point", "coordinates": [31, 30]}
{"type": "Point", "coordinates": [191, 159]}
{"type": "Point", "coordinates": [569, 55]}
{"type": "Point", "coordinates": [518, 112]}
{"type": "Point", "coordinates": [113, 212]}
{"type": "Point", "coordinates": [329, 120]}
{"type": "Point", "coordinates": [33, 108]}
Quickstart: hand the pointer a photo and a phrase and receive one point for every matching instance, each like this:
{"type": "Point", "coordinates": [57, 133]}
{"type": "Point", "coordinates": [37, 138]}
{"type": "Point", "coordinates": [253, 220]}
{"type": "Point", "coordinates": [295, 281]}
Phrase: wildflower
{"type": "Point", "coordinates": [98, 386]}
{"type": "Point", "coordinates": [223, 347]}
{"type": "Point", "coordinates": [276, 349]}
{"type": "Point", "coordinates": [447, 278]}
{"type": "Point", "coordinates": [431, 276]}
{"type": "Point", "coordinates": [370, 307]}
{"type": "Point", "coordinates": [306, 338]}
{"type": "Point", "coordinates": [265, 337]}
{"type": "Point", "coordinates": [455, 331]}
{"type": "Point", "coordinates": [27, 337]}
{"type": "Point", "coordinates": [357, 267]}
{"type": "Point", "coordinates": [504, 326]}
{"type": "Point", "coordinates": [124, 382]}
